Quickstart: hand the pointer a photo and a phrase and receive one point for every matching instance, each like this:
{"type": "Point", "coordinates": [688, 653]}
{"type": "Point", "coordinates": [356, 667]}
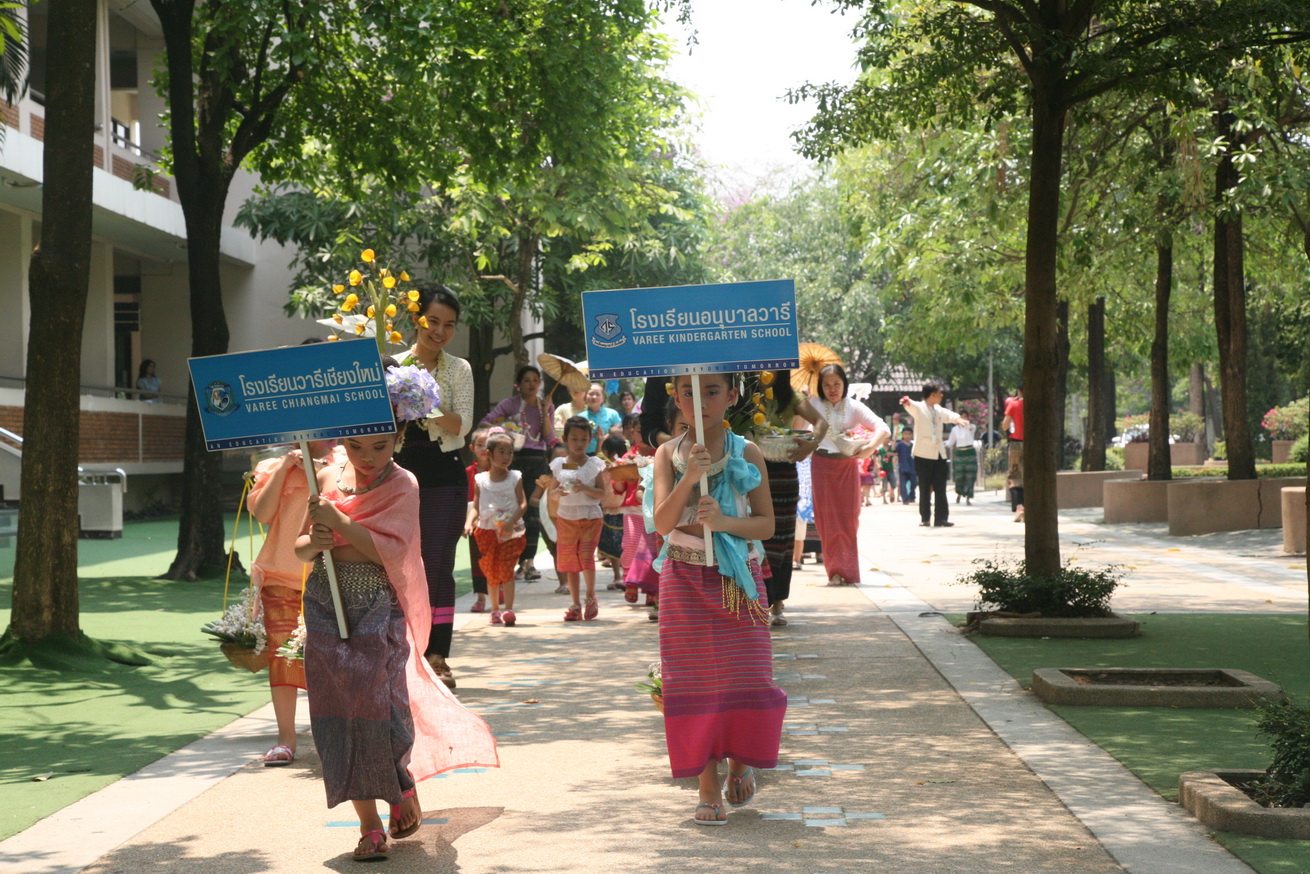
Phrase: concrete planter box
{"type": "Point", "coordinates": [1076, 488]}
{"type": "Point", "coordinates": [1136, 455]}
{"type": "Point", "coordinates": [1282, 449]}
{"type": "Point", "coordinates": [1232, 689]}
{"type": "Point", "coordinates": [1204, 506]}
{"type": "Point", "coordinates": [1209, 797]}
{"type": "Point", "coordinates": [1135, 500]}
{"type": "Point", "coordinates": [1294, 508]}
{"type": "Point", "coordinates": [1112, 626]}
{"type": "Point", "coordinates": [1187, 454]}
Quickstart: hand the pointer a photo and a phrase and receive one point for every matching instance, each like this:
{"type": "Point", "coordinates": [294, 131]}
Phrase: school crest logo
{"type": "Point", "coordinates": [219, 399]}
{"type": "Point", "coordinates": [608, 333]}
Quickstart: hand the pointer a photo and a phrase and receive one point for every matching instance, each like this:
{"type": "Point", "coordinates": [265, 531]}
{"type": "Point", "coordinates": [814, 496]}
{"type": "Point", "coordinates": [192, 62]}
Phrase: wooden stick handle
{"type": "Point", "coordinates": [328, 561]}
{"type": "Point", "coordinates": [705, 479]}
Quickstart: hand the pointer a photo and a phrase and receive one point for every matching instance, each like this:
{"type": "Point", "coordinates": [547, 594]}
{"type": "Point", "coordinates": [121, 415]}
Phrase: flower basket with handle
{"type": "Point", "coordinates": [245, 657]}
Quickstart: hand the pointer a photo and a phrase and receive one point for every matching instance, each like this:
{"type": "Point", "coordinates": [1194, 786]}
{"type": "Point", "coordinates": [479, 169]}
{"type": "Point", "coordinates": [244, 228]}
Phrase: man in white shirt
{"type": "Point", "coordinates": [930, 464]}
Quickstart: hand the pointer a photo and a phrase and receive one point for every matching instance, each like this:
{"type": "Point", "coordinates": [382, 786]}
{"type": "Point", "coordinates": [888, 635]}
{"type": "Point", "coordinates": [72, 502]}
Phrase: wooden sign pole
{"type": "Point", "coordinates": [328, 561]}
{"type": "Point", "coordinates": [704, 480]}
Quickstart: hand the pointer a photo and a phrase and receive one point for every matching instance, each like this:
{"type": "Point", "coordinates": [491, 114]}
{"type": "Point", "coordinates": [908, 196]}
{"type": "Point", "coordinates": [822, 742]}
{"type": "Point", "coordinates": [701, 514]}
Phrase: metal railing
{"type": "Point", "coordinates": [120, 392]}
{"type": "Point", "coordinates": [107, 477]}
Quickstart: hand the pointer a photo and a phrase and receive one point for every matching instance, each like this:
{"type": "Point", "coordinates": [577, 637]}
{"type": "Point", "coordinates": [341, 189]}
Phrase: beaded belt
{"type": "Point", "coordinates": [355, 577]}
{"type": "Point", "coordinates": [686, 554]}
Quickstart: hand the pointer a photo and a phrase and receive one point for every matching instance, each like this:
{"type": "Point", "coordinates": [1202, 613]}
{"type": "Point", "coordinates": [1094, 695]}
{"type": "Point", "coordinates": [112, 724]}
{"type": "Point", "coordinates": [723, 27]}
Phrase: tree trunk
{"type": "Point", "coordinates": [200, 535]}
{"type": "Point", "coordinates": [1041, 364]}
{"type": "Point", "coordinates": [1158, 465]}
{"type": "Point", "coordinates": [1063, 347]}
{"type": "Point", "coordinates": [1094, 439]}
{"type": "Point", "coordinates": [526, 257]}
{"type": "Point", "coordinates": [1230, 314]}
{"type": "Point", "coordinates": [45, 564]}
{"type": "Point", "coordinates": [482, 358]}
{"type": "Point", "coordinates": [1196, 389]}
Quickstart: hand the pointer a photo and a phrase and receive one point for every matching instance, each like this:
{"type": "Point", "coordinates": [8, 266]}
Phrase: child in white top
{"type": "Point", "coordinates": [581, 481]}
{"type": "Point", "coordinates": [495, 521]}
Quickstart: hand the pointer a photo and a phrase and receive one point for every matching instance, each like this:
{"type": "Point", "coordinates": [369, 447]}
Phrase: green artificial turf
{"type": "Point", "coordinates": [67, 733]}
{"type": "Point", "coordinates": [1159, 743]}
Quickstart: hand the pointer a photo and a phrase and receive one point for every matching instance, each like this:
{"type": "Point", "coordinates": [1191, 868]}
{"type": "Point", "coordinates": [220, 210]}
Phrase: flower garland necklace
{"type": "Point", "coordinates": [368, 488]}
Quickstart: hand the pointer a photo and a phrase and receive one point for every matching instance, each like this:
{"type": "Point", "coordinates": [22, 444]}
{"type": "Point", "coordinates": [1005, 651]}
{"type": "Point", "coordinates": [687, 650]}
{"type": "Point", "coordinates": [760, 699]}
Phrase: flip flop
{"type": "Point", "coordinates": [398, 810]}
{"type": "Point", "coordinates": [748, 774]}
{"type": "Point", "coordinates": [717, 808]}
{"type": "Point", "coordinates": [370, 847]}
{"type": "Point", "coordinates": [279, 756]}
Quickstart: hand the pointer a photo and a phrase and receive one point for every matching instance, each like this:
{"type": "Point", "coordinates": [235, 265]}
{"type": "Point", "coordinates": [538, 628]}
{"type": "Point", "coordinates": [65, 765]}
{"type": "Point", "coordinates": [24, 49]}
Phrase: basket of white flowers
{"type": "Point", "coordinates": [240, 631]}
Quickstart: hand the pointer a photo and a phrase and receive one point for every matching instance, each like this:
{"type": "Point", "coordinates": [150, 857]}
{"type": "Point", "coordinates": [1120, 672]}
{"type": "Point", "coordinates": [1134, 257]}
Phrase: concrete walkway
{"type": "Point", "coordinates": [905, 749]}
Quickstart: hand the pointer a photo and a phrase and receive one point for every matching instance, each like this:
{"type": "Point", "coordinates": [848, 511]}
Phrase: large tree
{"type": "Point", "coordinates": [924, 60]}
{"type": "Point", "coordinates": [45, 566]}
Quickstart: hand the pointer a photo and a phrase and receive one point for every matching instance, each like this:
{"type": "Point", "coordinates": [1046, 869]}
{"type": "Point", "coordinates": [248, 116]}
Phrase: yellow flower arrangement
{"type": "Point", "coordinates": [758, 414]}
{"type": "Point", "coordinates": [377, 289]}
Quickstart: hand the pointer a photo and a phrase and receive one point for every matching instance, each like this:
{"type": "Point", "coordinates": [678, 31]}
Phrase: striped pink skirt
{"type": "Point", "coordinates": [639, 553]}
{"type": "Point", "coordinates": [837, 513]}
{"type": "Point", "coordinates": [720, 700]}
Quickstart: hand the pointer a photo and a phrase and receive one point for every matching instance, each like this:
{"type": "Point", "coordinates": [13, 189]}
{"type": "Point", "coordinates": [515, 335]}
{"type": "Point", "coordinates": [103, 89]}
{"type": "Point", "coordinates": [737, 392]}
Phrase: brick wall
{"type": "Point", "coordinates": [38, 127]}
{"type": "Point", "coordinates": [134, 173]}
{"type": "Point", "coordinates": [113, 437]}
{"type": "Point", "coordinates": [9, 114]}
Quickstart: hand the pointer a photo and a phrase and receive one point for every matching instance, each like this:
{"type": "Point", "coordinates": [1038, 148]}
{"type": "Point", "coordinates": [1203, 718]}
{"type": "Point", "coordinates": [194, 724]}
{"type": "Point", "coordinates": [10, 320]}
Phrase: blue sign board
{"type": "Point", "coordinates": [691, 329]}
{"type": "Point", "coordinates": [315, 392]}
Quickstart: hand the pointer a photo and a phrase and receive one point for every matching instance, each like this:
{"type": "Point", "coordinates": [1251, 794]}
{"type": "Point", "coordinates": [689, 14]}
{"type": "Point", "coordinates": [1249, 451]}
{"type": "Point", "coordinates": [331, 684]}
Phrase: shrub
{"type": "Point", "coordinates": [1287, 782]}
{"type": "Point", "coordinates": [1300, 450]}
{"type": "Point", "coordinates": [1114, 458]}
{"type": "Point", "coordinates": [1187, 427]}
{"type": "Point", "coordinates": [1262, 471]}
{"type": "Point", "coordinates": [1289, 422]}
{"type": "Point", "coordinates": [1072, 591]}
{"type": "Point", "coordinates": [1220, 450]}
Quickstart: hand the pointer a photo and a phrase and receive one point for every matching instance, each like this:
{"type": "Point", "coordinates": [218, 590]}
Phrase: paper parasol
{"type": "Point", "coordinates": [564, 371]}
{"type": "Point", "coordinates": [813, 359]}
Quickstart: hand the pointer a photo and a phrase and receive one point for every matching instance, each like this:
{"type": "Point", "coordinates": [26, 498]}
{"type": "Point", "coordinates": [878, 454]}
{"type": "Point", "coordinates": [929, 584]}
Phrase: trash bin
{"type": "Point", "coordinates": [100, 504]}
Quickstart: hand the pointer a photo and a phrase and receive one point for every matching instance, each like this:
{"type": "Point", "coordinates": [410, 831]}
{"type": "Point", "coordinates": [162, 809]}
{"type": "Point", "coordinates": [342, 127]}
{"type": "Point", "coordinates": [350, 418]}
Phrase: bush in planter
{"type": "Point", "coordinates": [1289, 422]}
{"type": "Point", "coordinates": [1071, 592]}
{"type": "Point", "coordinates": [1114, 458]}
{"type": "Point", "coordinates": [1263, 471]}
{"type": "Point", "coordinates": [1187, 427]}
{"type": "Point", "coordinates": [1287, 781]}
{"type": "Point", "coordinates": [1300, 450]}
{"type": "Point", "coordinates": [1220, 450]}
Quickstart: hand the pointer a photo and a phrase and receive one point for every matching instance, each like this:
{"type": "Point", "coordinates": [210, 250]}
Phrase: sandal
{"type": "Point", "coordinates": [478, 607]}
{"type": "Point", "coordinates": [778, 621]}
{"type": "Point", "coordinates": [442, 670]}
{"type": "Point", "coordinates": [592, 609]}
{"type": "Point", "coordinates": [630, 594]}
{"type": "Point", "coordinates": [795, 565]}
{"type": "Point", "coordinates": [371, 848]}
{"type": "Point", "coordinates": [530, 573]}
{"type": "Point", "coordinates": [398, 810]}
{"type": "Point", "coordinates": [278, 756]}
{"type": "Point", "coordinates": [734, 781]}
{"type": "Point", "coordinates": [573, 614]}
{"type": "Point", "coordinates": [718, 810]}
{"type": "Point", "coordinates": [561, 590]}
{"type": "Point", "coordinates": [615, 587]}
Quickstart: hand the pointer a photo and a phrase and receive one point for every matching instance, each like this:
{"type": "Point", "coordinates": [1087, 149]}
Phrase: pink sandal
{"type": "Point", "coordinates": [278, 756]}
{"type": "Point", "coordinates": [592, 609]}
{"type": "Point", "coordinates": [372, 846]}
{"type": "Point", "coordinates": [573, 614]}
{"type": "Point", "coordinates": [398, 810]}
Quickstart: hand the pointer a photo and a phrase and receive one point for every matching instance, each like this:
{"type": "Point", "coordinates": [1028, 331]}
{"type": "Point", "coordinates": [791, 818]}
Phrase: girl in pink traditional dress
{"type": "Point", "coordinates": [495, 522]}
{"type": "Point", "coordinates": [382, 721]}
{"type": "Point", "coordinates": [720, 701]}
{"type": "Point", "coordinates": [277, 499]}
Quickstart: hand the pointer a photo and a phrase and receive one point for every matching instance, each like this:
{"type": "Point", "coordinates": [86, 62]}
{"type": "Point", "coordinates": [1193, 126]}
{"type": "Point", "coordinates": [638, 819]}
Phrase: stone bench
{"type": "Point", "coordinates": [1077, 488]}
{"type": "Point", "coordinates": [1294, 512]}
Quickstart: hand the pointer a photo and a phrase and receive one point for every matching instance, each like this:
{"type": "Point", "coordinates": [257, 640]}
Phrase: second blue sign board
{"type": "Point", "coordinates": [691, 329]}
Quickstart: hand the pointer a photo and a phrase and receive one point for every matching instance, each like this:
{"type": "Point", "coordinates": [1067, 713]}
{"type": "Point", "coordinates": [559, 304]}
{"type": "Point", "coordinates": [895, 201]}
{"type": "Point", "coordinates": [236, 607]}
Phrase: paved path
{"type": "Point", "coordinates": [906, 749]}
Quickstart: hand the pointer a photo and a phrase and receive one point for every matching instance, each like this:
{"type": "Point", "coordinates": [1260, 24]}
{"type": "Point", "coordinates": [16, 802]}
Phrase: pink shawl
{"type": "Point", "coordinates": [446, 735]}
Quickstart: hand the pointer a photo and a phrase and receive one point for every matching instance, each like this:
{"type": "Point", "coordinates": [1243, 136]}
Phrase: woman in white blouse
{"type": "Point", "coordinates": [835, 473]}
{"type": "Point", "coordinates": [431, 453]}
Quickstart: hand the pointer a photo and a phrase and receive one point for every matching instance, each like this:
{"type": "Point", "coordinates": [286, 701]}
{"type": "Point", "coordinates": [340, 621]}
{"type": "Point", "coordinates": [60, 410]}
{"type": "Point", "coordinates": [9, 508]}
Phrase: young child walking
{"type": "Point", "coordinates": [277, 499]}
{"type": "Point", "coordinates": [720, 701]}
{"type": "Point", "coordinates": [610, 547]}
{"type": "Point", "coordinates": [495, 523]}
{"type": "Point", "coordinates": [581, 482]}
{"type": "Point", "coordinates": [478, 447]}
{"type": "Point", "coordinates": [640, 546]}
{"type": "Point", "coordinates": [382, 721]}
